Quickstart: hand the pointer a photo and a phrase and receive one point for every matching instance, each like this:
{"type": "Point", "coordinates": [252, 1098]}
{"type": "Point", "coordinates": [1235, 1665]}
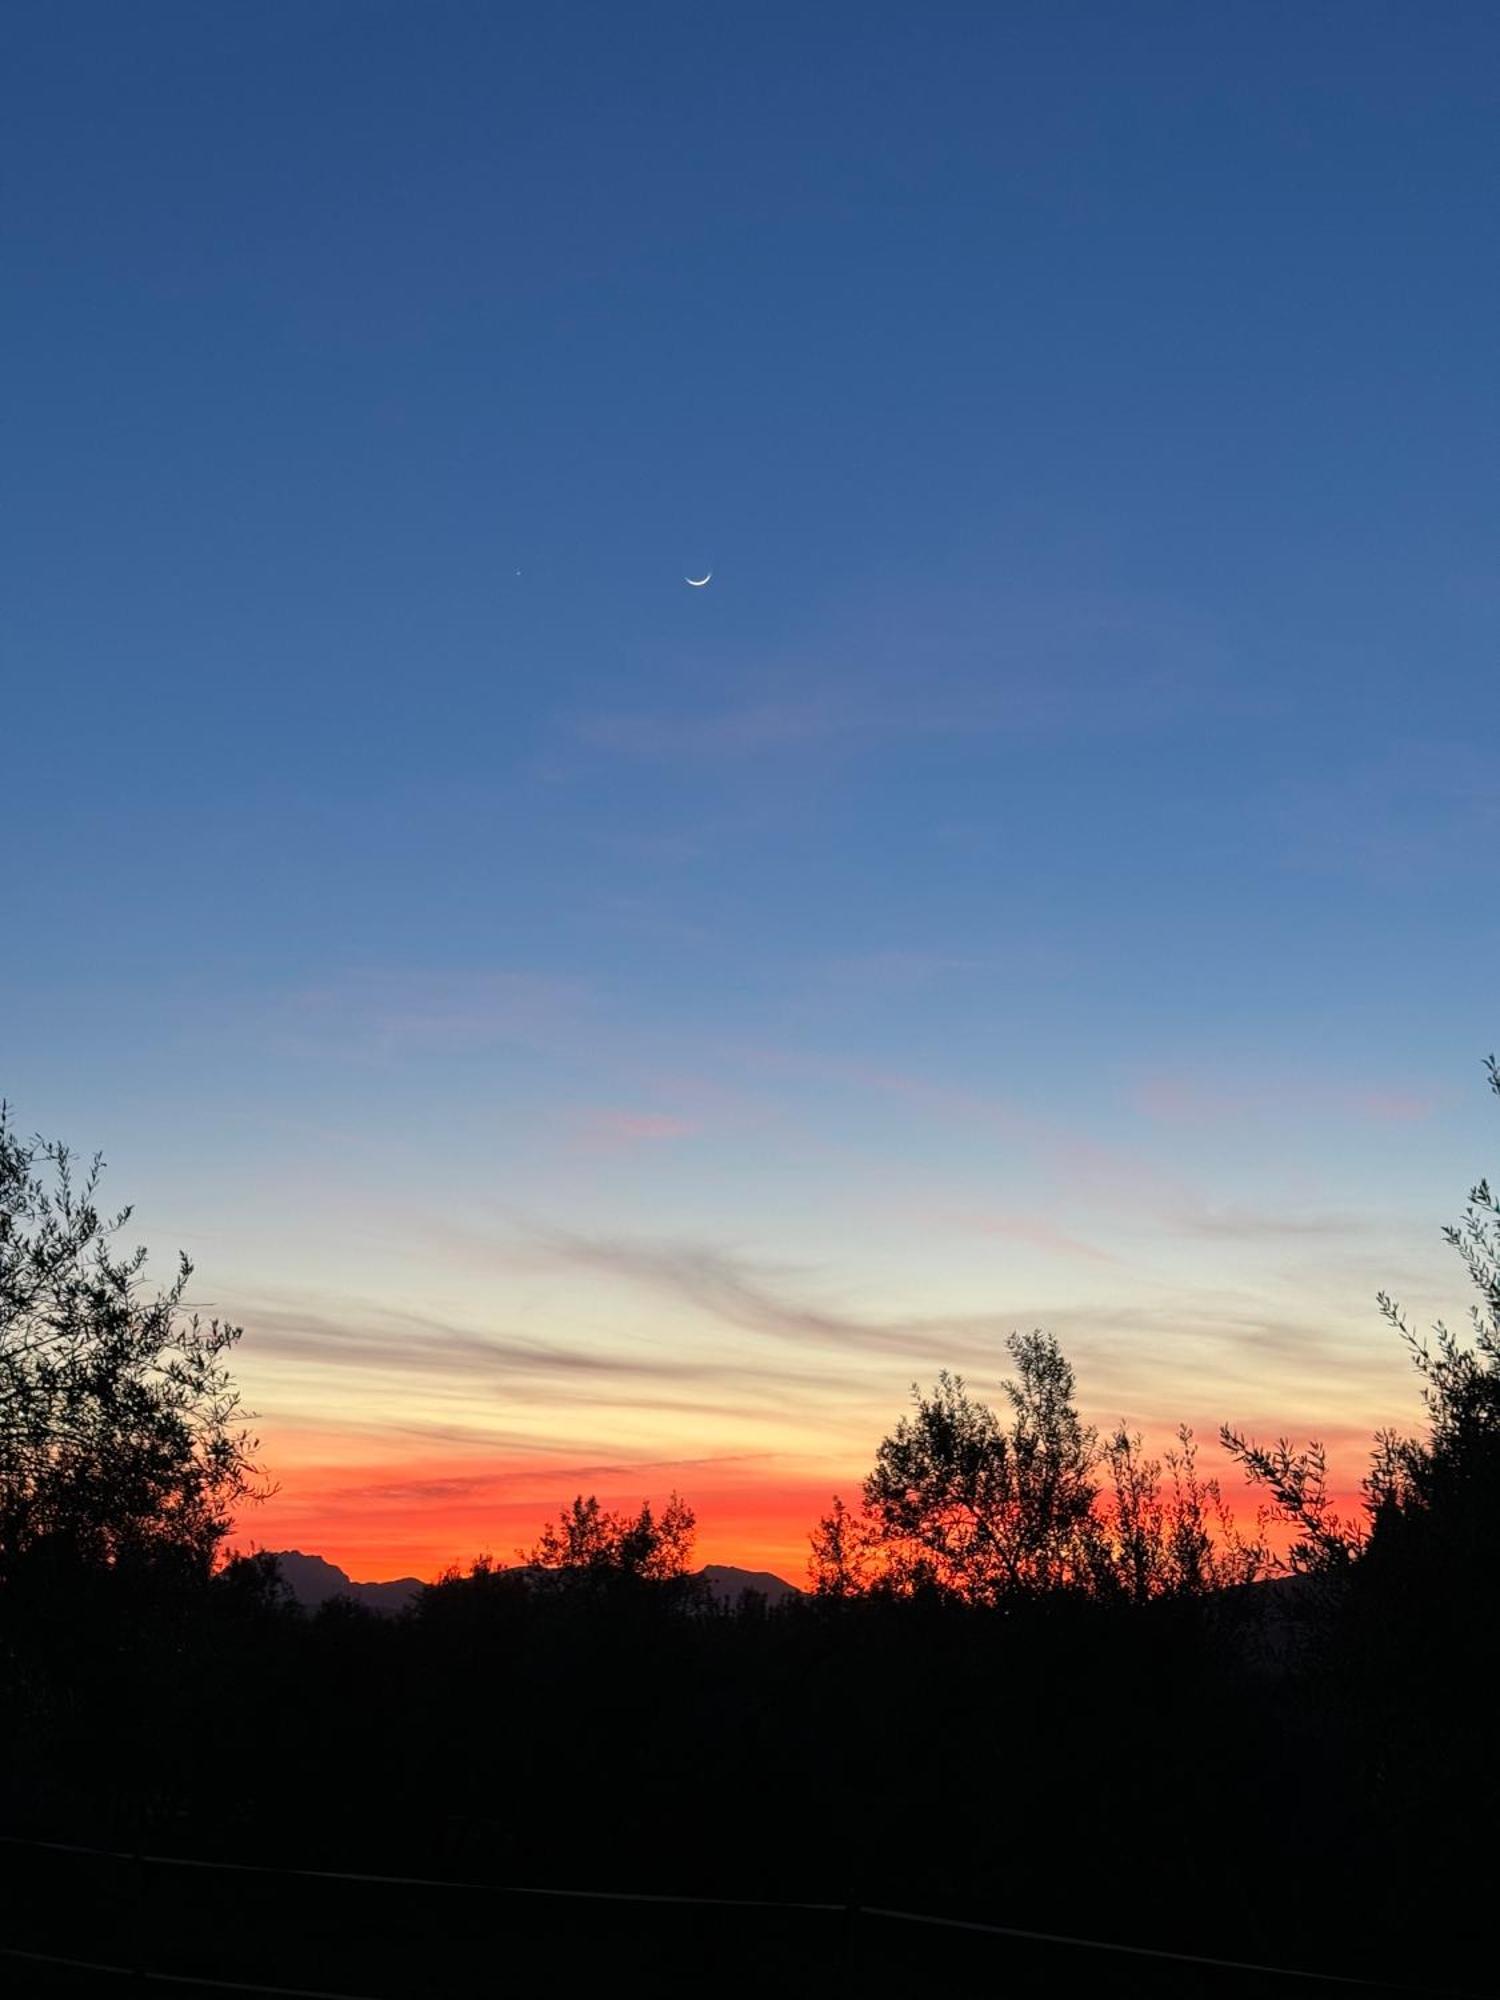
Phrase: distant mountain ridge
{"type": "Point", "coordinates": [313, 1580]}
{"type": "Point", "coordinates": [728, 1585]}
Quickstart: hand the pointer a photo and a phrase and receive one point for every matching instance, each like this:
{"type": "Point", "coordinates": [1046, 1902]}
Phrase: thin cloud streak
{"type": "Point", "coordinates": [626, 1131]}
{"type": "Point", "coordinates": [1272, 1225]}
{"type": "Point", "coordinates": [732, 1289]}
{"type": "Point", "coordinates": [1053, 665]}
{"type": "Point", "coordinates": [1039, 1234]}
{"type": "Point", "coordinates": [1233, 1334]}
{"type": "Point", "coordinates": [377, 1016]}
{"type": "Point", "coordinates": [512, 1482]}
{"type": "Point", "coordinates": [1171, 1099]}
{"type": "Point", "coordinates": [386, 1338]}
{"type": "Point", "coordinates": [366, 1340]}
{"type": "Point", "coordinates": [1130, 1180]}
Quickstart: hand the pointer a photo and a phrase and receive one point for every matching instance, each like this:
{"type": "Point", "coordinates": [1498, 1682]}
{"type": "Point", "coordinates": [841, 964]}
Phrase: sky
{"type": "Point", "coordinates": [601, 1035]}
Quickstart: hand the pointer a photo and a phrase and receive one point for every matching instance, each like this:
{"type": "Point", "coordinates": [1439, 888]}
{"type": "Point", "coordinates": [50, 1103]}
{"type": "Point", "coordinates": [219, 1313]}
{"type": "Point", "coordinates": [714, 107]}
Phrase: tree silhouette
{"type": "Point", "coordinates": [962, 1503]}
{"type": "Point", "coordinates": [121, 1434]}
{"type": "Point", "coordinates": [1160, 1536]}
{"type": "Point", "coordinates": [1073, 1578]}
{"type": "Point", "coordinates": [843, 1555]}
{"type": "Point", "coordinates": [982, 1510]}
{"type": "Point", "coordinates": [591, 1541]}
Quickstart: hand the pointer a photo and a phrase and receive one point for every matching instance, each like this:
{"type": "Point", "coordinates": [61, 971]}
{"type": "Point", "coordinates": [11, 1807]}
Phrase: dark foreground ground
{"type": "Point", "coordinates": [201, 1931]}
{"type": "Point", "coordinates": [1165, 1780]}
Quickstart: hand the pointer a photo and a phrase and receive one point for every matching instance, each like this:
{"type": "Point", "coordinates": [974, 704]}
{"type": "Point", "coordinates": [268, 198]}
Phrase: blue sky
{"type": "Point", "coordinates": [1042, 874]}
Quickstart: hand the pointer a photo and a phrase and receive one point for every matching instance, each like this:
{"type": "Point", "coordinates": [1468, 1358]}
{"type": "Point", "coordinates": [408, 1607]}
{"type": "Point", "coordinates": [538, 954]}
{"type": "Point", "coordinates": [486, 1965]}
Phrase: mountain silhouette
{"type": "Point", "coordinates": [727, 1585]}
{"type": "Point", "coordinates": [313, 1580]}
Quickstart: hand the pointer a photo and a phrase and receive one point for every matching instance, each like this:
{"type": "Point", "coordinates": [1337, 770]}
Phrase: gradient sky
{"type": "Point", "coordinates": [602, 1035]}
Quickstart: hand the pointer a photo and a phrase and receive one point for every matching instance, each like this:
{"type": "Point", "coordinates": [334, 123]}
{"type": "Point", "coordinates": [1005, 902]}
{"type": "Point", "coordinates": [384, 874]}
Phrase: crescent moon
{"type": "Point", "coordinates": [698, 581]}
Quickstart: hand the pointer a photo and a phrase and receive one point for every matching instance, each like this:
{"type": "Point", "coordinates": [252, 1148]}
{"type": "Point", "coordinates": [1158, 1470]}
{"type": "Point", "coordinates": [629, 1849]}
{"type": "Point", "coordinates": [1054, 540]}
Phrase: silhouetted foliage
{"type": "Point", "coordinates": [591, 1540]}
{"type": "Point", "coordinates": [844, 1557]}
{"type": "Point", "coordinates": [1452, 1476]}
{"type": "Point", "coordinates": [979, 1509]}
{"type": "Point", "coordinates": [964, 1504]}
{"type": "Point", "coordinates": [1024, 1631]}
{"type": "Point", "coordinates": [1439, 1493]}
{"type": "Point", "coordinates": [1172, 1536]}
{"type": "Point", "coordinates": [121, 1434]}
{"type": "Point", "coordinates": [1327, 1542]}
{"type": "Point", "coordinates": [1395, 1631]}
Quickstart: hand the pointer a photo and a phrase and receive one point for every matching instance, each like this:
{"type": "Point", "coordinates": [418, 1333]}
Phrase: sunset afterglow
{"type": "Point", "coordinates": [601, 1028]}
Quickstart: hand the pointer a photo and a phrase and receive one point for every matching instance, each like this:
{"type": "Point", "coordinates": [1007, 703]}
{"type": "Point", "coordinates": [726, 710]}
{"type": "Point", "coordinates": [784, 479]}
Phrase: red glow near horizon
{"type": "Point", "coordinates": [418, 1518]}
{"type": "Point", "coordinates": [380, 1521]}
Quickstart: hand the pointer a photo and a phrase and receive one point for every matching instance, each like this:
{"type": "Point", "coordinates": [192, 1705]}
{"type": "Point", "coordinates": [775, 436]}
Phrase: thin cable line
{"type": "Point", "coordinates": [173, 1978]}
{"type": "Point", "coordinates": [1157, 1951]}
{"type": "Point", "coordinates": [716, 1903]}
{"type": "Point", "coordinates": [423, 1881]}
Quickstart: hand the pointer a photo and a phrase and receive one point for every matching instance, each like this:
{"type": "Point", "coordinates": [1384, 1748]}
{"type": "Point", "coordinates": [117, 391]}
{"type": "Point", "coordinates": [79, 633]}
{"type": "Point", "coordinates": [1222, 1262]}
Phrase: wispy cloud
{"type": "Point", "coordinates": [378, 1015]}
{"type": "Point", "coordinates": [731, 1288]}
{"type": "Point", "coordinates": [1151, 1331]}
{"type": "Point", "coordinates": [1176, 1098]}
{"type": "Point", "coordinates": [1036, 1231]}
{"type": "Point", "coordinates": [994, 663]}
{"type": "Point", "coordinates": [1247, 1224]}
{"type": "Point", "coordinates": [736, 730]}
{"type": "Point", "coordinates": [1401, 818]}
{"type": "Point", "coordinates": [1127, 1176]}
{"type": "Point", "coordinates": [518, 1482]}
{"type": "Point", "coordinates": [626, 1131]}
{"type": "Point", "coordinates": [895, 970]}
{"type": "Point", "coordinates": [855, 717]}
{"type": "Point", "coordinates": [954, 1104]}
{"type": "Point", "coordinates": [439, 1362]}
{"type": "Point", "coordinates": [362, 1334]}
